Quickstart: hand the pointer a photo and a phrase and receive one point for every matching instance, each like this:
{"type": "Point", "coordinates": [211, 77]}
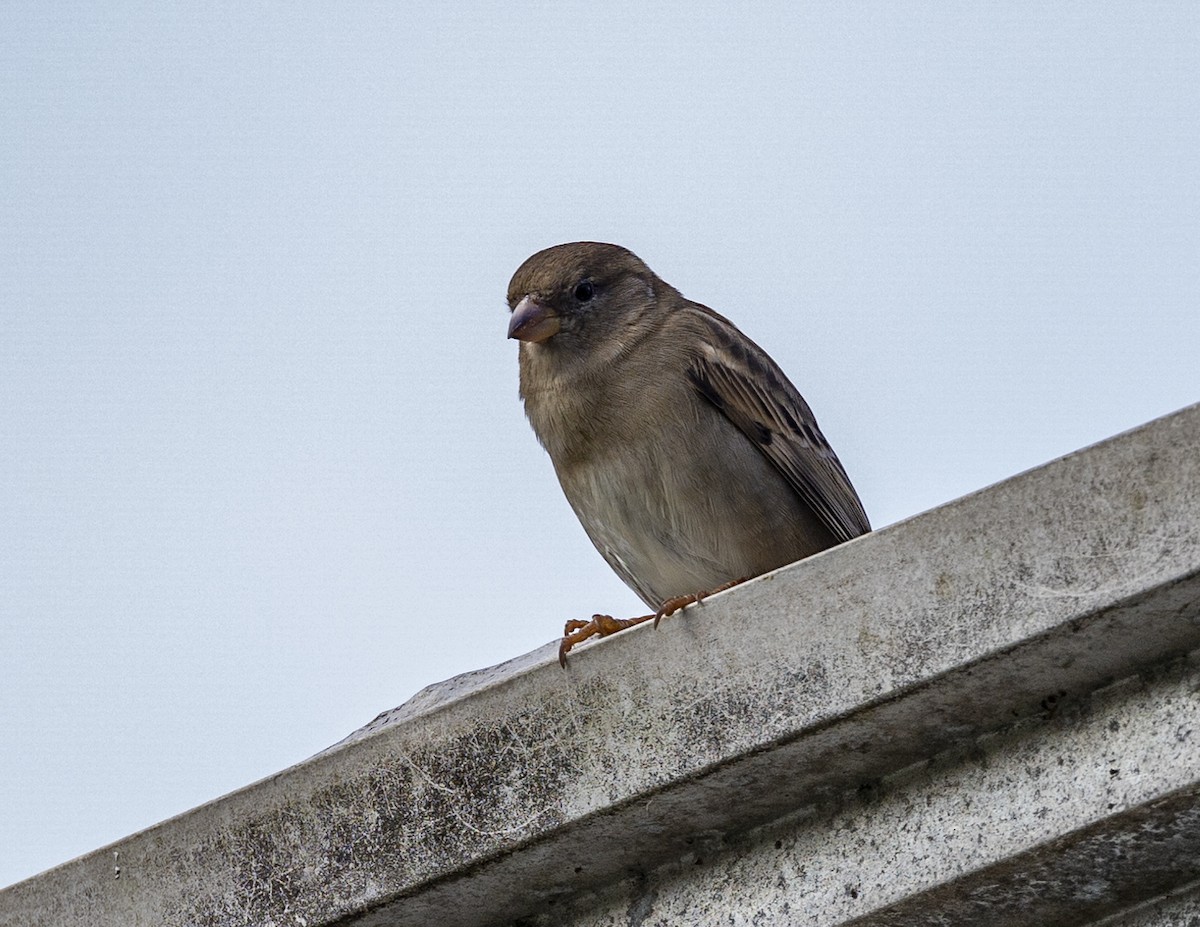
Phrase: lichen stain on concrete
{"type": "Point", "coordinates": [642, 905]}
{"type": "Point", "coordinates": [419, 813]}
{"type": "Point", "coordinates": [713, 720]}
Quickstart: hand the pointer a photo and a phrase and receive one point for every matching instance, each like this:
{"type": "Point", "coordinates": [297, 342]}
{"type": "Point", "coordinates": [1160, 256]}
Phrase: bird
{"type": "Point", "coordinates": [688, 456]}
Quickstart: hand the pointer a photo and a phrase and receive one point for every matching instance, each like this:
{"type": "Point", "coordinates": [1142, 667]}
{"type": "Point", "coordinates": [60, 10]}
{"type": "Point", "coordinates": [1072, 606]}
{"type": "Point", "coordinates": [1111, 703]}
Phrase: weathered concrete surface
{"type": "Point", "coordinates": [1057, 820]}
{"type": "Point", "coordinates": [939, 672]}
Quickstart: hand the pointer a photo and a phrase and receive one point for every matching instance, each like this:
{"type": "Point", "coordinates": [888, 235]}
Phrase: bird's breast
{"type": "Point", "coordinates": [674, 497]}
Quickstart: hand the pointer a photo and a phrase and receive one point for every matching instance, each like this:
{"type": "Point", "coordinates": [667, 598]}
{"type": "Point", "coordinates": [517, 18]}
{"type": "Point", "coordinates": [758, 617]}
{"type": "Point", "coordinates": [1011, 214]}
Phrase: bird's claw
{"type": "Point", "coordinates": [671, 606]}
{"type": "Point", "coordinates": [576, 631]}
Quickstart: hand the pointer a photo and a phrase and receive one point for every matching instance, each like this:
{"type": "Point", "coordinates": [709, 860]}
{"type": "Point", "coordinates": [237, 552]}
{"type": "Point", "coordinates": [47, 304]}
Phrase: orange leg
{"type": "Point", "coordinates": [576, 631]}
{"type": "Point", "coordinates": [671, 606]}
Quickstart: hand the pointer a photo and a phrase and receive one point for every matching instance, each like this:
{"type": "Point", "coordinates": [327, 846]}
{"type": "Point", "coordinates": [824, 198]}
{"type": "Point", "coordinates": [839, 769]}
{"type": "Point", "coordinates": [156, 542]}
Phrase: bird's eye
{"type": "Point", "coordinates": [585, 291]}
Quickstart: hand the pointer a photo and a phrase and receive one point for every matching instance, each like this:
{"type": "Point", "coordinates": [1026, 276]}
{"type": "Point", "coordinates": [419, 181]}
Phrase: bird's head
{"type": "Point", "coordinates": [578, 296]}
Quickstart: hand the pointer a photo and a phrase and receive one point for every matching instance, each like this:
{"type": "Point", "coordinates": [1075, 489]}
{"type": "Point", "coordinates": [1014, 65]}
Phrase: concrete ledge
{"type": "Point", "coordinates": [933, 663]}
{"type": "Point", "coordinates": [1058, 820]}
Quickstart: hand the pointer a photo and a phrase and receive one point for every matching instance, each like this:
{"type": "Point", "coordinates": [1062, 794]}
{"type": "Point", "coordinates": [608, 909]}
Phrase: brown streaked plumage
{"type": "Point", "coordinates": [687, 454]}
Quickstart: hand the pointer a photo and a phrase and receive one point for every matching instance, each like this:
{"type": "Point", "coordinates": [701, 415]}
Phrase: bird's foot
{"type": "Point", "coordinates": [671, 606]}
{"type": "Point", "coordinates": [576, 631]}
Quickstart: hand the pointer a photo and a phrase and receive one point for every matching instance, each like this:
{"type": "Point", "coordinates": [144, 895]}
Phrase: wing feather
{"type": "Point", "coordinates": [742, 381]}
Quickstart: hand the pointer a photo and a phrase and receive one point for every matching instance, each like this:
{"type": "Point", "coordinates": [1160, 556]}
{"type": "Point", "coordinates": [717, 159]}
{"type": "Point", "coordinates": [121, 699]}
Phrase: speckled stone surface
{"type": "Point", "coordinates": [985, 714]}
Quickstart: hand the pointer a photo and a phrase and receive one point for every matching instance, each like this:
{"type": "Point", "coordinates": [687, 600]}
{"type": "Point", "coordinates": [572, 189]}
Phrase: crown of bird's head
{"type": "Point", "coordinates": [570, 294]}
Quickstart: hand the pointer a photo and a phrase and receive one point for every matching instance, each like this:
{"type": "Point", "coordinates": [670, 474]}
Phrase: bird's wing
{"type": "Point", "coordinates": [741, 380]}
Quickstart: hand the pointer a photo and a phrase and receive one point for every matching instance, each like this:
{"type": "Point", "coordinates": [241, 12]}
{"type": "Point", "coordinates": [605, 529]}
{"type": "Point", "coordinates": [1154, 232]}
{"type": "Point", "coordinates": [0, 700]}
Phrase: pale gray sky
{"type": "Point", "coordinates": [263, 470]}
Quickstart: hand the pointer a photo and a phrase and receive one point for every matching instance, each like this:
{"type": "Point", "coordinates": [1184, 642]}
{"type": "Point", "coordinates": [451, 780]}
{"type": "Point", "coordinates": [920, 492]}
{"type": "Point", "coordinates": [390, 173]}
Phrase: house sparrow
{"type": "Point", "coordinates": [690, 459]}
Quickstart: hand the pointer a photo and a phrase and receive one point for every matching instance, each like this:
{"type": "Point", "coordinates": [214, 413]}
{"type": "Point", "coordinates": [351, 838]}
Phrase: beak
{"type": "Point", "coordinates": [533, 321]}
